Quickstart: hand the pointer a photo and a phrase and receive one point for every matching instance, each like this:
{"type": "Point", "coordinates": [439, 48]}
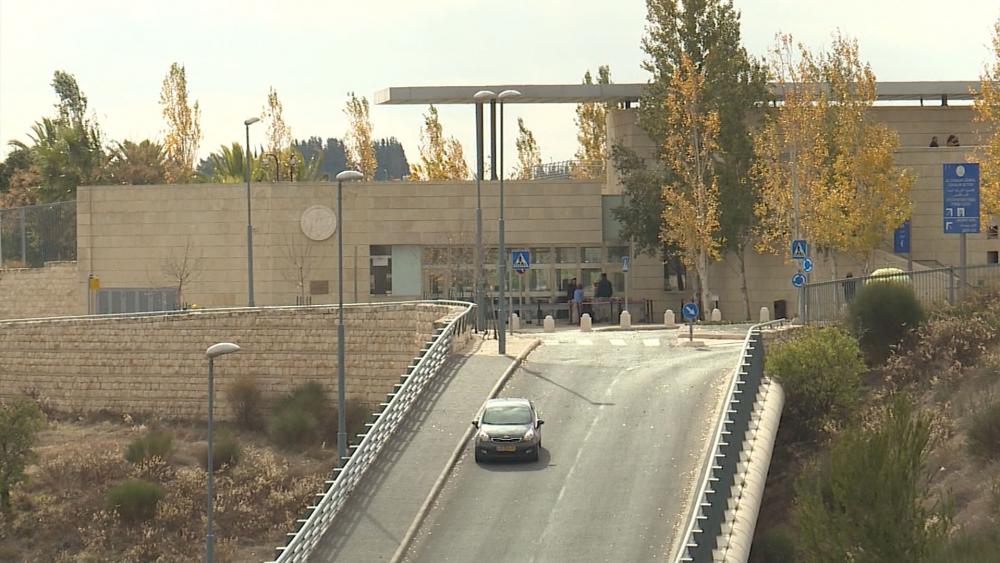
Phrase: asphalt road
{"type": "Point", "coordinates": [627, 418]}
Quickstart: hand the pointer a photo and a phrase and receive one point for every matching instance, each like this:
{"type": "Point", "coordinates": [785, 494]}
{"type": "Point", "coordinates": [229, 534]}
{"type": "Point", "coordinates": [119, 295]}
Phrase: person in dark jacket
{"type": "Point", "coordinates": [603, 287]}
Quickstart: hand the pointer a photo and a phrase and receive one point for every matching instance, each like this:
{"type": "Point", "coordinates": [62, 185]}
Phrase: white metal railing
{"type": "Point", "coordinates": [360, 457]}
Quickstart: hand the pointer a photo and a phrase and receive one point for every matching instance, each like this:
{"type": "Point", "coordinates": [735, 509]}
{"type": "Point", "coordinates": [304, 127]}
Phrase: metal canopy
{"type": "Point", "coordinates": [620, 93]}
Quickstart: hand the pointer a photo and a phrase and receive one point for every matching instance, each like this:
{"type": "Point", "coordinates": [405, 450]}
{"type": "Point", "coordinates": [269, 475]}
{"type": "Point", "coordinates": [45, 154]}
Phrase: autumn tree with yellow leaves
{"type": "Point", "coordinates": [360, 146]}
{"type": "Point", "coordinates": [987, 116]}
{"type": "Point", "coordinates": [279, 135]}
{"type": "Point", "coordinates": [528, 154]}
{"type": "Point", "coordinates": [183, 131]}
{"type": "Point", "coordinates": [592, 130]}
{"type": "Point", "coordinates": [691, 195]}
{"type": "Point", "coordinates": [441, 158]}
{"type": "Point", "coordinates": [827, 173]}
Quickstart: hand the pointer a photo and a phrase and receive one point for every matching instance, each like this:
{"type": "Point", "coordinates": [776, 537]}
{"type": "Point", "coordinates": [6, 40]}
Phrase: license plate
{"type": "Point", "coordinates": [506, 448]}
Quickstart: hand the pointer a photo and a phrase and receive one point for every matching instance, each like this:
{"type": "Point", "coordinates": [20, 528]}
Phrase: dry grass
{"type": "Point", "coordinates": [59, 513]}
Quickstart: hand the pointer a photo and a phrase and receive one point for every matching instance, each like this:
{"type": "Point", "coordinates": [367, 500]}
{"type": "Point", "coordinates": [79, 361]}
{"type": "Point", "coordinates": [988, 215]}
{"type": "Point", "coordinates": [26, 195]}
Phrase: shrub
{"type": "Point", "coordinates": [983, 434]}
{"type": "Point", "coordinates": [302, 416]}
{"type": "Point", "coordinates": [20, 420]}
{"type": "Point", "coordinates": [871, 498]}
{"type": "Point", "coordinates": [820, 371]}
{"type": "Point", "coordinates": [245, 401]}
{"type": "Point", "coordinates": [293, 427]}
{"type": "Point", "coordinates": [134, 500]}
{"type": "Point", "coordinates": [881, 314]}
{"type": "Point", "coordinates": [226, 451]}
{"type": "Point", "coordinates": [155, 443]}
{"type": "Point", "coordinates": [773, 544]}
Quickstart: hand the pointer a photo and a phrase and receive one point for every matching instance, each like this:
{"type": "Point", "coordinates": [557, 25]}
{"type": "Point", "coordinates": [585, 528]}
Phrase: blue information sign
{"type": "Point", "coordinates": [799, 279]}
{"type": "Point", "coordinates": [901, 238]}
{"type": "Point", "coordinates": [625, 263]}
{"type": "Point", "coordinates": [690, 311]}
{"type": "Point", "coordinates": [807, 265]}
{"type": "Point", "coordinates": [520, 260]}
{"type": "Point", "coordinates": [800, 249]}
{"type": "Point", "coordinates": [961, 198]}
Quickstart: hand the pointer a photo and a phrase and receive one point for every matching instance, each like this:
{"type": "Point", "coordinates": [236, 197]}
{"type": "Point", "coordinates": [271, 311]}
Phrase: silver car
{"type": "Point", "coordinates": [508, 428]}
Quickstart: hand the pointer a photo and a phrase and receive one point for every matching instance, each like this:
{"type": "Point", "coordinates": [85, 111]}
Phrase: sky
{"type": "Point", "coordinates": [314, 52]}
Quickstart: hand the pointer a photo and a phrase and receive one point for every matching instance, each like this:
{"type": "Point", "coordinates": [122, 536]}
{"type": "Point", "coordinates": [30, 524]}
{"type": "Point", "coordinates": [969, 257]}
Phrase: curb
{"type": "Point", "coordinates": [411, 532]}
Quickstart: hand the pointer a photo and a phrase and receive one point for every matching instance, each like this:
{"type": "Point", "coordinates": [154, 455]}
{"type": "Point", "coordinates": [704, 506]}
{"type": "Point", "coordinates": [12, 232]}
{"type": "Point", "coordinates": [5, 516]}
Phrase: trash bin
{"type": "Point", "coordinates": [780, 309]}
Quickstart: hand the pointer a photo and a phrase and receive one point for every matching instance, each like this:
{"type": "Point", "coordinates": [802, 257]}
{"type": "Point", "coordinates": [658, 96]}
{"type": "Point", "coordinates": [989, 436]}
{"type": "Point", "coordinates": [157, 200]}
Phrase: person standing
{"type": "Point", "coordinates": [577, 303]}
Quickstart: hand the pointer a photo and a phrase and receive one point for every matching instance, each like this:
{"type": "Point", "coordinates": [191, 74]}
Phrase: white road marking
{"type": "Point", "coordinates": [651, 342]}
{"type": "Point", "coordinates": [617, 342]}
{"type": "Point", "coordinates": [585, 342]}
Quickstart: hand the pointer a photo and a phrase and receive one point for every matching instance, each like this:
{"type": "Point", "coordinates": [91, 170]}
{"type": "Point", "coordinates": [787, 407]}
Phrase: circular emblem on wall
{"type": "Point", "coordinates": [318, 222]}
{"type": "Point", "coordinates": [960, 171]}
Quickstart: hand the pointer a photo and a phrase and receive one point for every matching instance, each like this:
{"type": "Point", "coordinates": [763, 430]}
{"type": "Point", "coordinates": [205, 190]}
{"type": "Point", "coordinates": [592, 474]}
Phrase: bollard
{"type": "Point", "coordinates": [515, 322]}
{"type": "Point", "coordinates": [625, 320]}
{"type": "Point", "coordinates": [668, 319]}
{"type": "Point", "coordinates": [585, 324]}
{"type": "Point", "coordinates": [716, 315]}
{"type": "Point", "coordinates": [549, 324]}
{"type": "Point", "coordinates": [765, 315]}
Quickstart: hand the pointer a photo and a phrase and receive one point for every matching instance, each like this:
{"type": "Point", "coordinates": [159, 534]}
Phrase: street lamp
{"type": "Point", "coordinates": [480, 97]}
{"type": "Point", "coordinates": [246, 176]}
{"type": "Point", "coordinates": [213, 351]}
{"type": "Point", "coordinates": [277, 166]}
{"type": "Point", "coordinates": [347, 175]}
{"type": "Point", "coordinates": [502, 259]}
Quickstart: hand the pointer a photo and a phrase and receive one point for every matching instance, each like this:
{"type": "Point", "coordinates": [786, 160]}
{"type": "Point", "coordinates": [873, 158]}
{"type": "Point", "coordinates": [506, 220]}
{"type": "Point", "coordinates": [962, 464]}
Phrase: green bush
{"type": "Point", "coordinates": [983, 434]}
{"type": "Point", "coordinates": [246, 401]}
{"type": "Point", "coordinates": [155, 443]}
{"type": "Point", "coordinates": [226, 451]}
{"type": "Point", "coordinates": [302, 417]}
{"type": "Point", "coordinates": [977, 546]}
{"type": "Point", "coordinates": [291, 427]}
{"type": "Point", "coordinates": [772, 545]}
{"type": "Point", "coordinates": [20, 420]}
{"type": "Point", "coordinates": [820, 371]}
{"type": "Point", "coordinates": [870, 499]}
{"type": "Point", "coordinates": [134, 500]}
{"type": "Point", "coordinates": [881, 314]}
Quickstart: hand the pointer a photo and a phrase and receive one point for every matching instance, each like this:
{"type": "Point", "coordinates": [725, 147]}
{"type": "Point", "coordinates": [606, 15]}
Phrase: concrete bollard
{"type": "Point", "coordinates": [668, 319]}
{"type": "Point", "coordinates": [765, 315]}
{"type": "Point", "coordinates": [625, 320]}
{"type": "Point", "coordinates": [585, 323]}
{"type": "Point", "coordinates": [549, 324]}
{"type": "Point", "coordinates": [716, 315]}
{"type": "Point", "coordinates": [515, 322]}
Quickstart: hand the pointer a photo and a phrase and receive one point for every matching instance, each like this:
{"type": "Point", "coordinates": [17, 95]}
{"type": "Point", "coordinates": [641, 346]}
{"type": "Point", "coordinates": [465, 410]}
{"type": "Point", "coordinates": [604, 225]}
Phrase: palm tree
{"type": "Point", "coordinates": [228, 165]}
{"type": "Point", "coordinates": [137, 164]}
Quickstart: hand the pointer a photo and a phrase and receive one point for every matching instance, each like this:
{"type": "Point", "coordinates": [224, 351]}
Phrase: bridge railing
{"type": "Point", "coordinates": [393, 412]}
{"type": "Point", "coordinates": [711, 500]}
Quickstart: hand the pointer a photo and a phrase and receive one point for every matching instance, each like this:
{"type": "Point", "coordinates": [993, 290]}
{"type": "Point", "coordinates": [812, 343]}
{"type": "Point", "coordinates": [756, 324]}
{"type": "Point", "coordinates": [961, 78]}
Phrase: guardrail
{"type": "Point", "coordinates": [361, 456]}
{"type": "Point", "coordinates": [708, 514]}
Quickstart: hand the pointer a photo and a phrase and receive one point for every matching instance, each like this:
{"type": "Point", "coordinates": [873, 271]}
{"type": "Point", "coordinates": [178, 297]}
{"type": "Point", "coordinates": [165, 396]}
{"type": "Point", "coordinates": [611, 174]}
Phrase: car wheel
{"type": "Point", "coordinates": [479, 458]}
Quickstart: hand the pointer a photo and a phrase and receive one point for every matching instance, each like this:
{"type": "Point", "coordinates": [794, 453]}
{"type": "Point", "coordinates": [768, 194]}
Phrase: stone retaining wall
{"type": "Point", "coordinates": [155, 364]}
{"type": "Point", "coordinates": [50, 291]}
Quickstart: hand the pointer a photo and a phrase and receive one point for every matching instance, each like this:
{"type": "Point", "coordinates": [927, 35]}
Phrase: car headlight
{"type": "Point", "coordinates": [483, 437]}
{"type": "Point", "coordinates": [529, 435]}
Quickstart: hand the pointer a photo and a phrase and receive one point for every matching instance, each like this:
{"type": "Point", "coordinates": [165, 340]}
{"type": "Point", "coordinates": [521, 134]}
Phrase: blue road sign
{"type": "Point", "coordinates": [625, 263]}
{"type": "Point", "coordinates": [807, 265]}
{"type": "Point", "coordinates": [800, 249]}
{"type": "Point", "coordinates": [901, 238]}
{"type": "Point", "coordinates": [799, 279]}
{"type": "Point", "coordinates": [520, 260]}
{"type": "Point", "coordinates": [690, 311]}
{"type": "Point", "coordinates": [961, 198]}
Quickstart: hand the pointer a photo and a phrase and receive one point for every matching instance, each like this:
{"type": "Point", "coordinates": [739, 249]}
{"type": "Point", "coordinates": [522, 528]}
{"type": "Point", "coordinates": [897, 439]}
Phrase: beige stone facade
{"type": "Point", "coordinates": [155, 364]}
{"type": "Point", "coordinates": [41, 292]}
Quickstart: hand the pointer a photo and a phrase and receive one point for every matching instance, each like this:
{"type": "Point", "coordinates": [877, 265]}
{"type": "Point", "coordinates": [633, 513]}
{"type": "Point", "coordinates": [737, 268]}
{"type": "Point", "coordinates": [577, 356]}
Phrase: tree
{"type": "Point", "coordinates": [183, 133]}
{"type": "Point", "coordinates": [691, 194]}
{"type": "Point", "coordinates": [987, 114]}
{"type": "Point", "coordinates": [20, 420]}
{"type": "Point", "coordinates": [528, 154]}
{"type": "Point", "coordinates": [279, 136]}
{"type": "Point", "coordinates": [592, 130]}
{"type": "Point", "coordinates": [72, 106]}
{"type": "Point", "coordinates": [299, 257]}
{"type": "Point", "coordinates": [182, 269]}
{"type": "Point", "coordinates": [441, 158]}
{"type": "Point", "coordinates": [227, 165]}
{"type": "Point", "coordinates": [137, 163]}
{"type": "Point", "coordinates": [360, 150]}
{"type": "Point", "coordinates": [391, 158]}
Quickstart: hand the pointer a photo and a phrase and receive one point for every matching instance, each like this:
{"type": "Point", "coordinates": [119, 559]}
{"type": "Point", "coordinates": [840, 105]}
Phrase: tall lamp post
{"type": "Point", "coordinates": [277, 166]}
{"type": "Point", "coordinates": [213, 351]}
{"type": "Point", "coordinates": [480, 97]}
{"type": "Point", "coordinates": [347, 175]}
{"type": "Point", "coordinates": [246, 176]}
{"type": "Point", "coordinates": [502, 258]}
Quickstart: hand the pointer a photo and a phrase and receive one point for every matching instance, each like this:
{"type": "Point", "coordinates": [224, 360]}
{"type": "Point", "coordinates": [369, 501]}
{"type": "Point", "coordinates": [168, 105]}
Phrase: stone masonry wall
{"type": "Point", "coordinates": [155, 364]}
{"type": "Point", "coordinates": [40, 292]}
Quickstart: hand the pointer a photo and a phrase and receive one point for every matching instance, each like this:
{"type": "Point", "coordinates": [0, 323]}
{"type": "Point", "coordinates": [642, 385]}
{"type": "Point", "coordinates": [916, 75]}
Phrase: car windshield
{"type": "Point", "coordinates": [507, 414]}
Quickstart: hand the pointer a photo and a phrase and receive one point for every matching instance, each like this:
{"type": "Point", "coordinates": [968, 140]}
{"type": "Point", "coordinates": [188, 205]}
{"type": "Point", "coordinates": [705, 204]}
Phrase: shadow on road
{"type": "Point", "coordinates": [538, 375]}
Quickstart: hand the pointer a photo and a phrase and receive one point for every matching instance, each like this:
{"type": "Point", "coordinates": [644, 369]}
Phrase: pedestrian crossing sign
{"type": "Point", "coordinates": [521, 260]}
{"type": "Point", "coordinates": [800, 249]}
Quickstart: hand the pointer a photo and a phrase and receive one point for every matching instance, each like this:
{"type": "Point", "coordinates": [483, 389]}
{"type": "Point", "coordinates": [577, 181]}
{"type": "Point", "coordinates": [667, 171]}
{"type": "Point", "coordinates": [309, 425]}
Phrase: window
{"type": "Point", "coordinates": [992, 232]}
{"type": "Point", "coordinates": [993, 257]}
{"type": "Point", "coordinates": [618, 282]}
{"type": "Point", "coordinates": [588, 277]}
{"type": "Point", "coordinates": [319, 287]}
{"type": "Point", "coordinates": [567, 255]}
{"type": "Point", "coordinates": [538, 279]}
{"type": "Point", "coordinates": [592, 255]}
{"type": "Point", "coordinates": [380, 268]}
{"type": "Point", "coordinates": [615, 254]}
{"type": "Point", "coordinates": [563, 276]}
{"type": "Point", "coordinates": [541, 256]}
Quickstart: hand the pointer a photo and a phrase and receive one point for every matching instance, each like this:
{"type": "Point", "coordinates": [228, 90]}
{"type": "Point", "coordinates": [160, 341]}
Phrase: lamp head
{"type": "Point", "coordinates": [251, 121]}
{"type": "Point", "coordinates": [221, 349]}
{"type": "Point", "coordinates": [509, 95]}
{"type": "Point", "coordinates": [349, 175]}
{"type": "Point", "coordinates": [483, 95]}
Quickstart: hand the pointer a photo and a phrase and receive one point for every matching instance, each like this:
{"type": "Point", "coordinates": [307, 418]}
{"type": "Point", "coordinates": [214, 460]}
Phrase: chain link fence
{"type": "Point", "coordinates": [32, 235]}
{"type": "Point", "coordinates": [827, 301]}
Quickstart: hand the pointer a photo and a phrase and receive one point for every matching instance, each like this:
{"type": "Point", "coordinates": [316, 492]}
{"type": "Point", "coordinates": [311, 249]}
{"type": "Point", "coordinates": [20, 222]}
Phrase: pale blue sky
{"type": "Point", "coordinates": [314, 52]}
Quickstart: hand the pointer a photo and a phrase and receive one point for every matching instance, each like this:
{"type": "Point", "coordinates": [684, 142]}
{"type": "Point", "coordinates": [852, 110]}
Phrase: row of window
{"type": "Point", "coordinates": [452, 255]}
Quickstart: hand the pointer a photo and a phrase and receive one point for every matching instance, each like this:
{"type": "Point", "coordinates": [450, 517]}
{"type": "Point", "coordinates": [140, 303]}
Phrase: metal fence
{"type": "Point", "coordinates": [32, 235]}
{"type": "Point", "coordinates": [568, 169]}
{"type": "Point", "coordinates": [712, 499]}
{"type": "Point", "coordinates": [361, 456]}
{"type": "Point", "coordinates": [827, 301]}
